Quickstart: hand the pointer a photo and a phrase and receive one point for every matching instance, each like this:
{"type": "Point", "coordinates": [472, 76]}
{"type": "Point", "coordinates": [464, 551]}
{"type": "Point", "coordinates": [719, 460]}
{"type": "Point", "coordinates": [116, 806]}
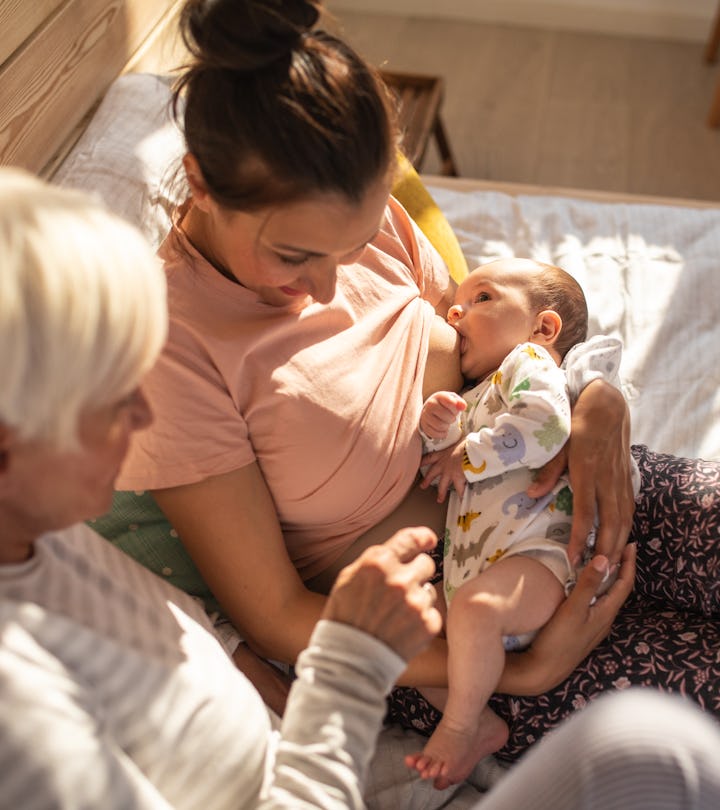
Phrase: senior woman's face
{"type": "Point", "coordinates": [290, 254]}
{"type": "Point", "coordinates": [52, 489]}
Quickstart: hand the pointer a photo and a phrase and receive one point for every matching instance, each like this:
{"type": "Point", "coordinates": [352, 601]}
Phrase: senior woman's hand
{"type": "Point", "coordinates": [577, 627]}
{"type": "Point", "coordinates": [597, 457]}
{"type": "Point", "coordinates": [383, 593]}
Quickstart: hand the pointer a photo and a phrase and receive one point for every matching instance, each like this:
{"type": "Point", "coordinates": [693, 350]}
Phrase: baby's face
{"type": "Point", "coordinates": [492, 314]}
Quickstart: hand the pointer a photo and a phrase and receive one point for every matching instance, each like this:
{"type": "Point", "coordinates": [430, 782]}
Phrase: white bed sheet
{"type": "Point", "coordinates": [649, 271]}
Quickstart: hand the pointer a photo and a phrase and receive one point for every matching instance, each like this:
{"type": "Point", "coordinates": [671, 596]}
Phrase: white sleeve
{"type": "Point", "coordinates": [531, 391]}
{"type": "Point", "coordinates": [54, 751]}
{"type": "Point", "coordinates": [332, 720]}
{"type": "Point", "coordinates": [596, 359]}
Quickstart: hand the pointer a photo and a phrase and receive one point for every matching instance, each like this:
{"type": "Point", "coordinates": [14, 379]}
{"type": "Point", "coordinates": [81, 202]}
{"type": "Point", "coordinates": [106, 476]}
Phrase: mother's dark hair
{"type": "Point", "coordinates": [275, 110]}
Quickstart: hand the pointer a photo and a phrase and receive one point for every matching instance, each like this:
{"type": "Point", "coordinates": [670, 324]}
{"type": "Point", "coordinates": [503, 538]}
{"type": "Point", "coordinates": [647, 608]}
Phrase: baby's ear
{"type": "Point", "coordinates": [547, 327]}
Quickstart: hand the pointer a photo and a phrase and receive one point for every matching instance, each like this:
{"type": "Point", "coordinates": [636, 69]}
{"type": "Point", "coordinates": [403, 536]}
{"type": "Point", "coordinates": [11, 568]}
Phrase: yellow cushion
{"type": "Point", "coordinates": [410, 191]}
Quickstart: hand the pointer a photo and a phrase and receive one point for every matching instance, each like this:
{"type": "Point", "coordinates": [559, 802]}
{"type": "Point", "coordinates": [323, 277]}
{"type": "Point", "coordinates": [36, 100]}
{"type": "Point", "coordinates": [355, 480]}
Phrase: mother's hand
{"type": "Point", "coordinates": [577, 627]}
{"type": "Point", "coordinates": [597, 457]}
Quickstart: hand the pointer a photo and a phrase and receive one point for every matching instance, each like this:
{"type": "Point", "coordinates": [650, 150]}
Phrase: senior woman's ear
{"type": "Point", "coordinates": [5, 442]}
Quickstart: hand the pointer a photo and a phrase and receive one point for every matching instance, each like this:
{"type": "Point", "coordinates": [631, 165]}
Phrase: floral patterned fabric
{"type": "Point", "coordinates": [666, 636]}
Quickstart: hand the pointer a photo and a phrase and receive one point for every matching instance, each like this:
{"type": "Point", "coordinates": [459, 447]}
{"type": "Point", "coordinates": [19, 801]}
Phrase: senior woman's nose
{"type": "Point", "coordinates": [141, 412]}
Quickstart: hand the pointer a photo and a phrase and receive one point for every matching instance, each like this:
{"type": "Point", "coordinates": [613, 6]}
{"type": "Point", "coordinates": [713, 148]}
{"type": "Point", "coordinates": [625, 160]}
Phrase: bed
{"type": "Point", "coordinates": [648, 266]}
{"type": "Point", "coordinates": [83, 101]}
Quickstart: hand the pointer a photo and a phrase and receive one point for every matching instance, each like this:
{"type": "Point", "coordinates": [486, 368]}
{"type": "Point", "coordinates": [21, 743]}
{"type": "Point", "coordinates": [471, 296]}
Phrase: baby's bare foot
{"type": "Point", "coordinates": [454, 749]}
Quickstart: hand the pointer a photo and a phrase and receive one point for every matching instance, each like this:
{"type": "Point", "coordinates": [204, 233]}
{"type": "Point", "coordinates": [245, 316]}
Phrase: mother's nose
{"type": "Point", "coordinates": [321, 281]}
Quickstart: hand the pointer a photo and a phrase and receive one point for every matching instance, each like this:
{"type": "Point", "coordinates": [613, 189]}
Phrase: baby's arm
{"type": "Point", "coordinates": [529, 396]}
{"type": "Point", "coordinates": [441, 428]}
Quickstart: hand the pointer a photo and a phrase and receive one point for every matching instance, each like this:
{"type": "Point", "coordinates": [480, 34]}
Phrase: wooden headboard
{"type": "Point", "coordinates": [57, 58]}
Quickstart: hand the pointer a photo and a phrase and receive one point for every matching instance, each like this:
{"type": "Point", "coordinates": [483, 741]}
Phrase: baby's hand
{"type": "Point", "coordinates": [439, 412]}
{"type": "Point", "coordinates": [444, 469]}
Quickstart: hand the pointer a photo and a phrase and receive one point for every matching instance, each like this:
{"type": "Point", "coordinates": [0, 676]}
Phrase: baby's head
{"type": "Point", "coordinates": [511, 301]}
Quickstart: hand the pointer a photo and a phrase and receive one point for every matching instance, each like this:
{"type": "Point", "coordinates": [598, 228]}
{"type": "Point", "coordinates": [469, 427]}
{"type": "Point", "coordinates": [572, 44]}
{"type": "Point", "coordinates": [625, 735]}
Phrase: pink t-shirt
{"type": "Point", "coordinates": [326, 400]}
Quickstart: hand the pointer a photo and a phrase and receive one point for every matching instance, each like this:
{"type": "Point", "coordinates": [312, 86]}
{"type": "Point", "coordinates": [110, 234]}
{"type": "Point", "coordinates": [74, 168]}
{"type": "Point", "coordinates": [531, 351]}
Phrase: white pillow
{"type": "Point", "coordinates": [129, 154]}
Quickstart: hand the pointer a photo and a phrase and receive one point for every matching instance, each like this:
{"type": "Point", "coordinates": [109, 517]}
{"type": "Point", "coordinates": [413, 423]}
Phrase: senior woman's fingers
{"type": "Point", "coordinates": [382, 592]}
{"type": "Point", "coordinates": [408, 543]}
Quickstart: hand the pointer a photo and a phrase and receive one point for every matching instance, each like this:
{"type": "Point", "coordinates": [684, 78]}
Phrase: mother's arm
{"type": "Point", "coordinates": [597, 457]}
{"type": "Point", "coordinates": [578, 626]}
{"type": "Point", "coordinates": [230, 528]}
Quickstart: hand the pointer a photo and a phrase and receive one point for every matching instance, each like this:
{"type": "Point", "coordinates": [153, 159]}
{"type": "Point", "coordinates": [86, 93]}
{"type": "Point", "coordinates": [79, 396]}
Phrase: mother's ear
{"type": "Point", "coordinates": [546, 329]}
{"type": "Point", "coordinates": [196, 181]}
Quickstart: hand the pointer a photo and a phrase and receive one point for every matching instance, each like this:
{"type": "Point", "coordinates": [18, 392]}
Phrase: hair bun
{"type": "Point", "coordinates": [245, 34]}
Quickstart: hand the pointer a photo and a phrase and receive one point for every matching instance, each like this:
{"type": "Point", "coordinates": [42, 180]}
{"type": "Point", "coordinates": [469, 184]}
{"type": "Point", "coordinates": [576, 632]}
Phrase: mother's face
{"type": "Point", "coordinates": [45, 488]}
{"type": "Point", "coordinates": [289, 254]}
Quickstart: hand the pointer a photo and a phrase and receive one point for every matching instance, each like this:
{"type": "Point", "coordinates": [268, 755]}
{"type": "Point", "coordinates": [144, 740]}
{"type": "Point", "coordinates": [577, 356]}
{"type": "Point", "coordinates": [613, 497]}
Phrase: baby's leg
{"type": "Point", "coordinates": [513, 596]}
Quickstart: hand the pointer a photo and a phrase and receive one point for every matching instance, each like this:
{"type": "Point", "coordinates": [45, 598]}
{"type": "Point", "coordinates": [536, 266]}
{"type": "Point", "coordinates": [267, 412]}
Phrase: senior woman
{"type": "Point", "coordinates": [114, 691]}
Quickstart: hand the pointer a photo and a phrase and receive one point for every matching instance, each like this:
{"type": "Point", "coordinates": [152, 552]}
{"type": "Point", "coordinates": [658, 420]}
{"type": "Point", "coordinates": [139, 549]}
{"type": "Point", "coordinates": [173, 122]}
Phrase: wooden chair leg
{"type": "Point", "coordinates": [714, 116]}
{"type": "Point", "coordinates": [713, 43]}
{"type": "Point", "coordinates": [448, 162]}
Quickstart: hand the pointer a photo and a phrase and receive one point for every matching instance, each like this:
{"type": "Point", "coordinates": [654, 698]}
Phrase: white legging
{"type": "Point", "coordinates": [637, 750]}
{"type": "Point", "coordinates": [633, 750]}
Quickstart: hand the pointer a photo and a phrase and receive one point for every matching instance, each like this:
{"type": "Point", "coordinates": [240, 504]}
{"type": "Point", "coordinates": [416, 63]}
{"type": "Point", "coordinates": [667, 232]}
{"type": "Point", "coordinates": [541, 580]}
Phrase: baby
{"type": "Point", "coordinates": [506, 567]}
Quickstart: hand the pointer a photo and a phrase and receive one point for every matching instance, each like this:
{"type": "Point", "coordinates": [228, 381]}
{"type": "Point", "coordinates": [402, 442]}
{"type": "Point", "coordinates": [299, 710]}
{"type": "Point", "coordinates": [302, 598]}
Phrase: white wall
{"type": "Point", "coordinates": [671, 19]}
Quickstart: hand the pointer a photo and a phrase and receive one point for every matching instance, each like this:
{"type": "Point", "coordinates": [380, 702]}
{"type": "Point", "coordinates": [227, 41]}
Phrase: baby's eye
{"type": "Point", "coordinates": [483, 296]}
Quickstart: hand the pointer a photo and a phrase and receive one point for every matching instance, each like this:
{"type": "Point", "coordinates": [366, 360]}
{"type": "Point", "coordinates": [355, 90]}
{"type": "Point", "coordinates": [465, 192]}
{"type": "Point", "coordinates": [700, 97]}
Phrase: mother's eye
{"type": "Point", "coordinates": [295, 261]}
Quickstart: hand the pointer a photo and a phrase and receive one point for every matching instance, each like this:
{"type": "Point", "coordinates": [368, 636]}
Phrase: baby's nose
{"type": "Point", "coordinates": [454, 313]}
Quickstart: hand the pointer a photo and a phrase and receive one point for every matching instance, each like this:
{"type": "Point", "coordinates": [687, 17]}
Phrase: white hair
{"type": "Point", "coordinates": [83, 311]}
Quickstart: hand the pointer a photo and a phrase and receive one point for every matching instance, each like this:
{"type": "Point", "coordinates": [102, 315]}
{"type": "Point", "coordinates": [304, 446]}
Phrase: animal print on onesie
{"type": "Point", "coordinates": [494, 519]}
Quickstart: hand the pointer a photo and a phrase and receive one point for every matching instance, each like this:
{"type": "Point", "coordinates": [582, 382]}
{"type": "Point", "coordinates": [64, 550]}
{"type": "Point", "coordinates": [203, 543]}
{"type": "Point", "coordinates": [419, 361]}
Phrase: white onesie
{"type": "Point", "coordinates": [517, 419]}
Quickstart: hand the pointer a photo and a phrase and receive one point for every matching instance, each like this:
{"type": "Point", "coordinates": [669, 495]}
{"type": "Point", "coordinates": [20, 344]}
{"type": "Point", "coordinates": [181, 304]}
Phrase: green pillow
{"type": "Point", "coordinates": [409, 190]}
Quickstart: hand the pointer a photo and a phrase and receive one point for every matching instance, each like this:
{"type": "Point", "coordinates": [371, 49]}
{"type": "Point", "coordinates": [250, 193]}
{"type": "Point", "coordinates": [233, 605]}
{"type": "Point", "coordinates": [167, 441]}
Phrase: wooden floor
{"type": "Point", "coordinates": [560, 108]}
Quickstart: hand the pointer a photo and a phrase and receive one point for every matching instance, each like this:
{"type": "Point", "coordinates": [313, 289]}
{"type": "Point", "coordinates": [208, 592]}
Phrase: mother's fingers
{"type": "Point", "coordinates": [595, 573]}
{"type": "Point", "coordinates": [590, 579]}
{"type": "Point", "coordinates": [622, 587]}
{"type": "Point", "coordinates": [547, 476]}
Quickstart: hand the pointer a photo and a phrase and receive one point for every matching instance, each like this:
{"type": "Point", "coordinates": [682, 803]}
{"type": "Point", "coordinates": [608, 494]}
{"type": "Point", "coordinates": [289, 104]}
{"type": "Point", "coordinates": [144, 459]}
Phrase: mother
{"type": "Point", "coordinates": [304, 336]}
